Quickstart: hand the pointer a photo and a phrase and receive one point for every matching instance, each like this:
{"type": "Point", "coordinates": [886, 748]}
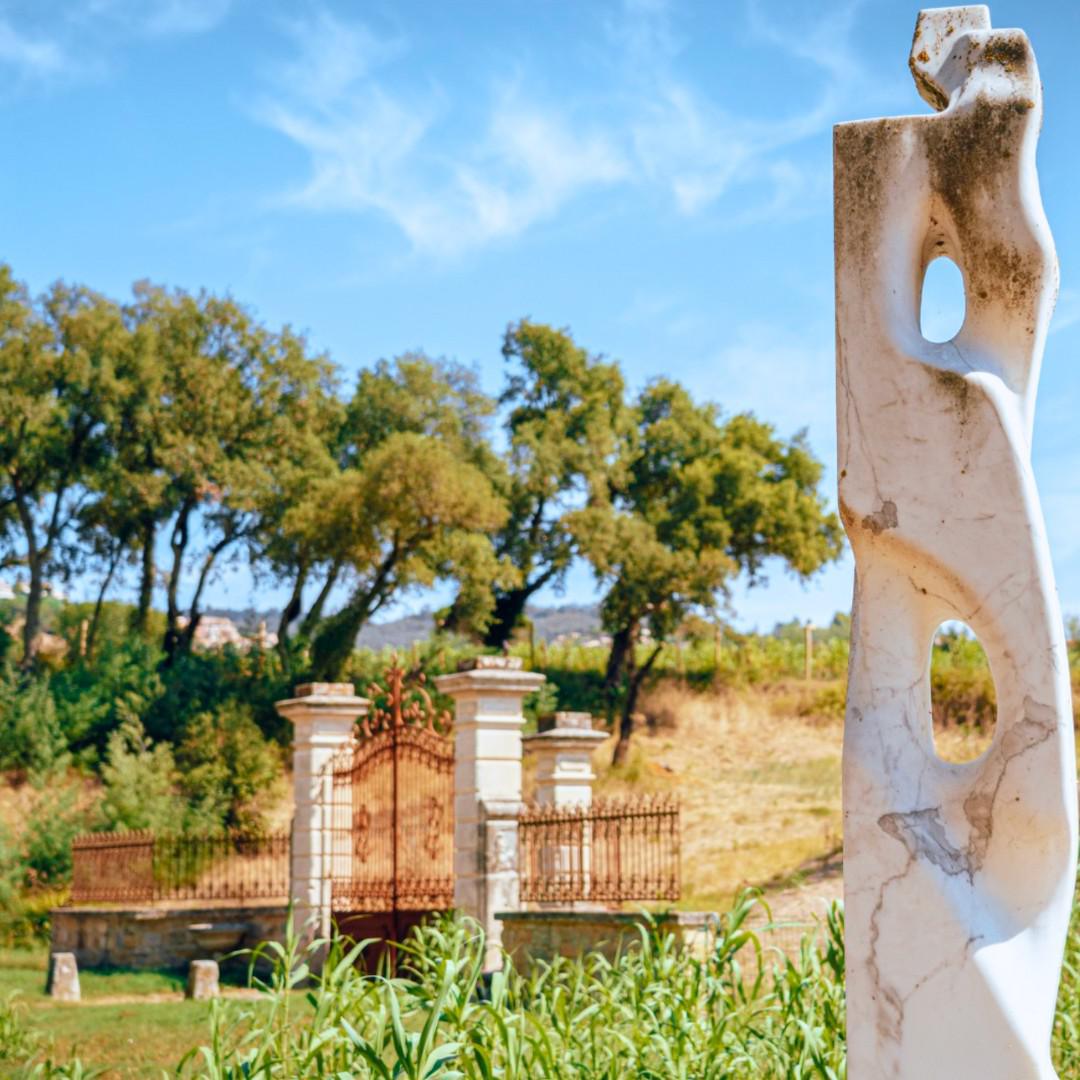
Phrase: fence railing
{"type": "Point", "coordinates": [144, 868]}
{"type": "Point", "coordinates": [608, 851]}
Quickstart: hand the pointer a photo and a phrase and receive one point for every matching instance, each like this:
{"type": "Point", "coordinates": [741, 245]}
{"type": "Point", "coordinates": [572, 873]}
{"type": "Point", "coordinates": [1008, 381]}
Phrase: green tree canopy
{"type": "Point", "coordinates": [696, 500]}
{"type": "Point", "coordinates": [59, 387]}
{"type": "Point", "coordinates": [416, 512]}
{"type": "Point", "coordinates": [564, 409]}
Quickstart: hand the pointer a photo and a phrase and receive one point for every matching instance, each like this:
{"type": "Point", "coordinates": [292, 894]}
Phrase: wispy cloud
{"type": "Point", "coordinates": [69, 40]}
{"type": "Point", "coordinates": [372, 148]}
{"type": "Point", "coordinates": [702, 150]}
{"type": "Point", "coordinates": [29, 56]}
{"type": "Point", "coordinates": [404, 153]}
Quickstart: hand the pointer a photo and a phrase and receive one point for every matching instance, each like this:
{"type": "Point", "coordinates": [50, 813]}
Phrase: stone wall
{"type": "Point", "coordinates": [543, 935]}
{"type": "Point", "coordinates": [162, 937]}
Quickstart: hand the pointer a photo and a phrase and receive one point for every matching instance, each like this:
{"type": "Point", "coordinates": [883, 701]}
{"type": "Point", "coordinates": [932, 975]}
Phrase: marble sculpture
{"type": "Point", "coordinates": [958, 878]}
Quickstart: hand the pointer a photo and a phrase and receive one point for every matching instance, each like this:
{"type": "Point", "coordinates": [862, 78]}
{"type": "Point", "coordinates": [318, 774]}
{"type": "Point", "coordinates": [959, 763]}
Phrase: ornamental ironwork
{"type": "Point", "coordinates": [392, 811]}
{"type": "Point", "coordinates": [607, 851]}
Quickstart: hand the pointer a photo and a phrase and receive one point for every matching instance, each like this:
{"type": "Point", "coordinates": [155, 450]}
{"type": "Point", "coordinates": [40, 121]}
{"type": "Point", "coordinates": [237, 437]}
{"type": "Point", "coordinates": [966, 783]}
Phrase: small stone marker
{"type": "Point", "coordinates": [202, 980]}
{"type": "Point", "coordinates": [63, 981]}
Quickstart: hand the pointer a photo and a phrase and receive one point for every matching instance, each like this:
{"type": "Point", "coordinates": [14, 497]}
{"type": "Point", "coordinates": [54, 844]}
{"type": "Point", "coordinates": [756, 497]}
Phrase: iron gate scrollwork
{"type": "Point", "coordinates": [392, 806]}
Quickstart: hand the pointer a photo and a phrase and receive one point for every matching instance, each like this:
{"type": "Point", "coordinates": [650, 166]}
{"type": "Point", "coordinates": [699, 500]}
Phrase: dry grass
{"type": "Point", "coordinates": [758, 776]}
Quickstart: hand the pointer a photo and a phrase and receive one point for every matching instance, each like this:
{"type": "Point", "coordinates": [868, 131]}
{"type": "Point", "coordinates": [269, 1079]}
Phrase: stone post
{"type": "Point", "coordinates": [563, 749]}
{"type": "Point", "coordinates": [324, 717]}
{"type": "Point", "coordinates": [487, 788]}
{"type": "Point", "coordinates": [62, 983]}
{"type": "Point", "coordinates": [958, 879]}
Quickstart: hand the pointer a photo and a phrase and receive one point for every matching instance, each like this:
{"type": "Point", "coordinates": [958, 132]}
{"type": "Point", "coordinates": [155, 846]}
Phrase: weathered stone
{"type": "Point", "coordinates": [563, 757]}
{"type": "Point", "coordinates": [63, 981]}
{"type": "Point", "coordinates": [529, 936]}
{"type": "Point", "coordinates": [324, 717]}
{"type": "Point", "coordinates": [565, 721]}
{"type": "Point", "coordinates": [160, 937]}
{"type": "Point", "coordinates": [202, 980]}
{"type": "Point", "coordinates": [487, 790]}
{"type": "Point", "coordinates": [958, 879]}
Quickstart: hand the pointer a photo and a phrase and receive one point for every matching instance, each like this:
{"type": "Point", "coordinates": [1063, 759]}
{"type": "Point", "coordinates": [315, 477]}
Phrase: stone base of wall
{"type": "Point", "coordinates": [162, 937]}
{"type": "Point", "coordinates": [543, 935]}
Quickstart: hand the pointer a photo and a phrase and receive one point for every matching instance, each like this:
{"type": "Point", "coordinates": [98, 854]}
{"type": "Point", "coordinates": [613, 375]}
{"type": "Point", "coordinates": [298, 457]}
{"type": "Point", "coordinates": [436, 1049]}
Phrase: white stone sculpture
{"type": "Point", "coordinates": [958, 878]}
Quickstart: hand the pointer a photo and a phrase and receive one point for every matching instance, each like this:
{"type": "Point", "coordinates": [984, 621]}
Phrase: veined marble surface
{"type": "Point", "coordinates": [958, 879]}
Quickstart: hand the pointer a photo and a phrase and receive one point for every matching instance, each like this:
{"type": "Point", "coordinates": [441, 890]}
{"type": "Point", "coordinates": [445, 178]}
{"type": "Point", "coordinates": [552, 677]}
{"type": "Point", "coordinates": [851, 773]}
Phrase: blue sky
{"type": "Point", "coordinates": [654, 175]}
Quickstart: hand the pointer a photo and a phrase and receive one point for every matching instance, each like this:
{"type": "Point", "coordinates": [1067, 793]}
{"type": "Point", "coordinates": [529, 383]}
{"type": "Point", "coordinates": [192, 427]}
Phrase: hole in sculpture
{"type": "Point", "coordinates": [942, 310]}
{"type": "Point", "coordinates": [963, 701]}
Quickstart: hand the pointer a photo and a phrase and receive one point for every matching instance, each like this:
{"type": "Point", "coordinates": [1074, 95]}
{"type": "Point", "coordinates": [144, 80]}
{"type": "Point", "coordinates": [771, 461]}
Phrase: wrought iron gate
{"type": "Point", "coordinates": [391, 830]}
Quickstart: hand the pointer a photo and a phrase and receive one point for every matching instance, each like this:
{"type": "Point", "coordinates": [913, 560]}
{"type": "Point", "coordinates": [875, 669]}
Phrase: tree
{"type": "Point", "coordinates": [565, 409]}
{"type": "Point", "coordinates": [221, 410]}
{"type": "Point", "coordinates": [415, 513]}
{"type": "Point", "coordinates": [695, 501]}
{"type": "Point", "coordinates": [320, 543]}
{"type": "Point", "coordinates": [58, 390]}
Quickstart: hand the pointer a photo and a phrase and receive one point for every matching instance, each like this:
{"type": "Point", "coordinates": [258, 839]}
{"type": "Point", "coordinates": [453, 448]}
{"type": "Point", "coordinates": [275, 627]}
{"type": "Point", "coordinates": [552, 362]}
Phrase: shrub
{"type": "Point", "coordinates": [31, 740]}
{"type": "Point", "coordinates": [228, 770]}
{"type": "Point", "coordinates": [140, 783]}
{"type": "Point", "coordinates": [95, 698]}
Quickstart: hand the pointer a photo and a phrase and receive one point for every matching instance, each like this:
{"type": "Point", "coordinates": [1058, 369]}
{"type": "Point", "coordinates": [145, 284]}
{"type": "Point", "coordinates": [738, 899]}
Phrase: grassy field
{"type": "Point", "coordinates": [132, 1023]}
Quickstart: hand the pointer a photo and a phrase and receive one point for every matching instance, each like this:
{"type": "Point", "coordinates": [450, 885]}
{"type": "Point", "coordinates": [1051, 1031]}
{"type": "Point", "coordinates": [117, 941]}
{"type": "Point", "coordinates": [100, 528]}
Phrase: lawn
{"type": "Point", "coordinates": [134, 1023]}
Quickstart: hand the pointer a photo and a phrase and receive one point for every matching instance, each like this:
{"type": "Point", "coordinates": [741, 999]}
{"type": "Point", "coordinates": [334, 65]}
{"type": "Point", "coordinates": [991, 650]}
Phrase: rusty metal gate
{"type": "Point", "coordinates": [391, 830]}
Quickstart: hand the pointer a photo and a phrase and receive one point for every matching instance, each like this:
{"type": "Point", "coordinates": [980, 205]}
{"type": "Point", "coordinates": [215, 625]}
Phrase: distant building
{"type": "Point", "coordinates": [6, 591]}
{"type": "Point", "coordinates": [218, 631]}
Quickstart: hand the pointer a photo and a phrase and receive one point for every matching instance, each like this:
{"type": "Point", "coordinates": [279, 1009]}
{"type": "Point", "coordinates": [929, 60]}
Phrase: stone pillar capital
{"type": "Point", "coordinates": [563, 750]}
{"type": "Point", "coordinates": [322, 711]}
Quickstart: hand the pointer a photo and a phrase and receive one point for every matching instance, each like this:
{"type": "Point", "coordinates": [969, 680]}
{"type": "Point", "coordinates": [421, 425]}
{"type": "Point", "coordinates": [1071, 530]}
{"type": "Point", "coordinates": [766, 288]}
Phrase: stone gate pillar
{"type": "Point", "coordinates": [324, 717]}
{"type": "Point", "coordinates": [958, 879]}
{"type": "Point", "coordinates": [562, 750]}
{"type": "Point", "coordinates": [488, 719]}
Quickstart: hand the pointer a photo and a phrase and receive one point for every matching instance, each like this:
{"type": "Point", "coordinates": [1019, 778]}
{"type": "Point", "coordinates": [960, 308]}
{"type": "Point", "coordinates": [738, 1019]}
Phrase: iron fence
{"type": "Point", "coordinates": [139, 867]}
{"type": "Point", "coordinates": [611, 850]}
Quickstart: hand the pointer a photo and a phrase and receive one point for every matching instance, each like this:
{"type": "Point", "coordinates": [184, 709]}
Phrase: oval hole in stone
{"type": "Point", "coordinates": [963, 700]}
{"type": "Point", "coordinates": [943, 306]}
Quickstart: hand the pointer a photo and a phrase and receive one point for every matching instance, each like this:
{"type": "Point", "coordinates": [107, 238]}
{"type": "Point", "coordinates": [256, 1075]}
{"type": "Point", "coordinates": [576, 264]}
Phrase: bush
{"type": "Point", "coordinates": [141, 783]}
{"type": "Point", "coordinates": [228, 770]}
{"type": "Point", "coordinates": [31, 739]}
{"type": "Point", "coordinates": [95, 698]}
{"type": "Point", "coordinates": [203, 682]}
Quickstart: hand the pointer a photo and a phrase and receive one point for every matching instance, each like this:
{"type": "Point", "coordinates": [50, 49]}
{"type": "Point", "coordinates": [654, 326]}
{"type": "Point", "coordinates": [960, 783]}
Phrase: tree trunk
{"type": "Point", "coordinates": [178, 543]}
{"type": "Point", "coordinates": [314, 615]}
{"type": "Point", "coordinates": [509, 607]}
{"type": "Point", "coordinates": [332, 646]}
{"type": "Point", "coordinates": [32, 624]}
{"type": "Point", "coordinates": [620, 657]}
{"type": "Point", "coordinates": [635, 680]}
{"type": "Point", "coordinates": [194, 614]}
{"type": "Point", "coordinates": [334, 643]}
{"type": "Point", "coordinates": [290, 613]}
{"type": "Point", "coordinates": [140, 621]}
{"type": "Point", "coordinates": [95, 619]}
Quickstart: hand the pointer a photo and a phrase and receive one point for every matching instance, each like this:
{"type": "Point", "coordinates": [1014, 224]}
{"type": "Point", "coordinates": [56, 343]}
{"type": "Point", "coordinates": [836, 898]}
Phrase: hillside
{"type": "Point", "coordinates": [550, 623]}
